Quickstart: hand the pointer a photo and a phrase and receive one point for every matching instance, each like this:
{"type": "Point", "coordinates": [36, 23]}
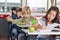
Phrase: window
{"type": "Point", "coordinates": [2, 0]}
{"type": "Point", "coordinates": [6, 5]}
{"type": "Point", "coordinates": [49, 3]}
{"type": "Point", "coordinates": [37, 5]}
{"type": "Point", "coordinates": [24, 3]}
{"type": "Point", "coordinates": [13, 1]}
{"type": "Point", "coordinates": [58, 4]}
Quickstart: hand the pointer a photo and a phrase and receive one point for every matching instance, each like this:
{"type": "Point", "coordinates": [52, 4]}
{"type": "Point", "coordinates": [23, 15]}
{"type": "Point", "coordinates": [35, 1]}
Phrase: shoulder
{"type": "Point", "coordinates": [42, 19]}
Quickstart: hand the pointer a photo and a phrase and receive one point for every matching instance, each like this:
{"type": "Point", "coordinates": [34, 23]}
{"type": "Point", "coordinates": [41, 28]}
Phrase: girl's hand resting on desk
{"type": "Point", "coordinates": [36, 26]}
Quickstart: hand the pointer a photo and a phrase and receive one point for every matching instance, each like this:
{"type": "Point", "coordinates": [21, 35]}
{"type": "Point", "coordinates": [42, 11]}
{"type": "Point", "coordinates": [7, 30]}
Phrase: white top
{"type": "Point", "coordinates": [42, 22]}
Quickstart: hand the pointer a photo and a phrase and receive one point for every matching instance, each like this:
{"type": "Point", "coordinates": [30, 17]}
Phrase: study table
{"type": "Point", "coordinates": [41, 32]}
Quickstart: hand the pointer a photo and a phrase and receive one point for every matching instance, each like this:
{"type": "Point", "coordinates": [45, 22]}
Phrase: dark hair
{"type": "Point", "coordinates": [14, 8]}
{"type": "Point", "coordinates": [55, 20]}
{"type": "Point", "coordinates": [19, 10]}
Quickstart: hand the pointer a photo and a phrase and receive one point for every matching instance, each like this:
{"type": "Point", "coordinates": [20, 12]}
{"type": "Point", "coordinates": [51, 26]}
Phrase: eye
{"type": "Point", "coordinates": [53, 15]}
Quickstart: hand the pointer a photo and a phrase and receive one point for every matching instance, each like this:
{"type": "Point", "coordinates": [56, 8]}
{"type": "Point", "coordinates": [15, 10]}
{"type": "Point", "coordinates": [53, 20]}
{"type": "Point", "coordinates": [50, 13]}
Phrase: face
{"type": "Point", "coordinates": [51, 15]}
{"type": "Point", "coordinates": [19, 14]}
{"type": "Point", "coordinates": [27, 15]}
{"type": "Point", "coordinates": [14, 12]}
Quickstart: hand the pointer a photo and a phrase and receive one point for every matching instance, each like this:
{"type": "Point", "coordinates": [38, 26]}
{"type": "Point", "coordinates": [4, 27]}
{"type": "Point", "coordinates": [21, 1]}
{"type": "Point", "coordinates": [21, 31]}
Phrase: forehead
{"type": "Point", "coordinates": [52, 12]}
{"type": "Point", "coordinates": [19, 12]}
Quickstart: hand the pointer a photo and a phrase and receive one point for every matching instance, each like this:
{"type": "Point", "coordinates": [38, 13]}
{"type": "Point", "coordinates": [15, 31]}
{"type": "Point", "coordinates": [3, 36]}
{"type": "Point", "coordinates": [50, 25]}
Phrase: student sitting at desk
{"type": "Point", "coordinates": [14, 28]}
{"type": "Point", "coordinates": [51, 17]}
{"type": "Point", "coordinates": [27, 15]}
{"type": "Point", "coordinates": [13, 15]}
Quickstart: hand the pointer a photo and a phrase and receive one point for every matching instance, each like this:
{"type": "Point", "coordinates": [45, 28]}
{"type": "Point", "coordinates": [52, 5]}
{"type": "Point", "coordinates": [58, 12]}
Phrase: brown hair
{"type": "Point", "coordinates": [25, 9]}
{"type": "Point", "coordinates": [14, 8]}
{"type": "Point", "coordinates": [57, 14]}
{"type": "Point", "coordinates": [19, 10]}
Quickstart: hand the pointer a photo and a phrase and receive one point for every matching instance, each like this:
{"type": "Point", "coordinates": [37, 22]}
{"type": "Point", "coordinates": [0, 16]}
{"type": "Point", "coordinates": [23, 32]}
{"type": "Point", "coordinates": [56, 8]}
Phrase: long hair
{"type": "Point", "coordinates": [14, 8]}
{"type": "Point", "coordinates": [25, 9]}
{"type": "Point", "coordinates": [55, 20]}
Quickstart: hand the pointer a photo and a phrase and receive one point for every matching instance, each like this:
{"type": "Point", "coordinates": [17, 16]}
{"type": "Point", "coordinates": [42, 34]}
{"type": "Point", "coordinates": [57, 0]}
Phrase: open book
{"type": "Point", "coordinates": [52, 26]}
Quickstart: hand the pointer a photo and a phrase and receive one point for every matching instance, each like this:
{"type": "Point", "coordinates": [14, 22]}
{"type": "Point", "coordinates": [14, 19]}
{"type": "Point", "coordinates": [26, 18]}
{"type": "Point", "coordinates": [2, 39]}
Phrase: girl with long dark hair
{"type": "Point", "coordinates": [50, 18]}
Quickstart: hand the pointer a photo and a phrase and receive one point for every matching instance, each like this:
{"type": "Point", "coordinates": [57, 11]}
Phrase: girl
{"type": "Point", "coordinates": [14, 28]}
{"type": "Point", "coordinates": [19, 15]}
{"type": "Point", "coordinates": [27, 14]}
{"type": "Point", "coordinates": [14, 13]}
{"type": "Point", "coordinates": [51, 17]}
{"type": "Point", "coordinates": [27, 17]}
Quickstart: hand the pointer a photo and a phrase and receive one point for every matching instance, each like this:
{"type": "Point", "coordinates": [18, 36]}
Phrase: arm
{"type": "Point", "coordinates": [9, 18]}
{"type": "Point", "coordinates": [37, 26]}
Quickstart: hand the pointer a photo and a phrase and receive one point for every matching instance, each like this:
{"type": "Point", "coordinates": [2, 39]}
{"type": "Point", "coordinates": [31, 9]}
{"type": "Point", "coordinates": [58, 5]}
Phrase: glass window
{"type": "Point", "coordinates": [13, 1]}
{"type": "Point", "coordinates": [24, 3]}
{"type": "Point", "coordinates": [2, 0]}
{"type": "Point", "coordinates": [37, 5]}
{"type": "Point", "coordinates": [58, 4]}
{"type": "Point", "coordinates": [49, 3]}
{"type": "Point", "coordinates": [6, 5]}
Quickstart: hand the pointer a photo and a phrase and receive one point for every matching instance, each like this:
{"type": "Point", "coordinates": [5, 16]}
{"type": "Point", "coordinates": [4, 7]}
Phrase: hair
{"type": "Point", "coordinates": [55, 20]}
{"type": "Point", "coordinates": [14, 8]}
{"type": "Point", "coordinates": [19, 10]}
{"type": "Point", "coordinates": [25, 9]}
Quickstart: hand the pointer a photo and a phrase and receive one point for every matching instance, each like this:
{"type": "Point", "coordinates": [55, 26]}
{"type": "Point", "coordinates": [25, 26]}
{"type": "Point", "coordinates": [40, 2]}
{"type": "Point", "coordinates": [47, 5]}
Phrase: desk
{"type": "Point", "coordinates": [24, 26]}
{"type": "Point", "coordinates": [41, 32]}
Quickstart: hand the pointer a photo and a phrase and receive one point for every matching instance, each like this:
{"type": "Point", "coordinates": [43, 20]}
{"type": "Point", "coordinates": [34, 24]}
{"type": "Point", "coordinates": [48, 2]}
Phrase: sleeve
{"type": "Point", "coordinates": [41, 22]}
{"type": "Point", "coordinates": [17, 20]}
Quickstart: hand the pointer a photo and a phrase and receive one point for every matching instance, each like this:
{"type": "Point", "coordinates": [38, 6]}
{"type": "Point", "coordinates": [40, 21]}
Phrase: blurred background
{"type": "Point", "coordinates": [38, 7]}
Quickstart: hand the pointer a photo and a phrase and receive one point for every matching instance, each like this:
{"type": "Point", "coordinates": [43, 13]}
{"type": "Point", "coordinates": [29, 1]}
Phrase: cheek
{"type": "Point", "coordinates": [18, 14]}
{"type": "Point", "coordinates": [48, 16]}
{"type": "Point", "coordinates": [27, 15]}
{"type": "Point", "coordinates": [53, 17]}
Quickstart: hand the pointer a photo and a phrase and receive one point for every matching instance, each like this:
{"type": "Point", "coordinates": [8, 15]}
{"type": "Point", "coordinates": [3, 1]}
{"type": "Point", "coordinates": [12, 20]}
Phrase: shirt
{"type": "Point", "coordinates": [42, 22]}
{"type": "Point", "coordinates": [14, 16]}
{"type": "Point", "coordinates": [25, 21]}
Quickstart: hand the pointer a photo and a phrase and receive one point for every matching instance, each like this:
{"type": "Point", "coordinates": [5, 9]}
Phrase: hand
{"type": "Point", "coordinates": [43, 27]}
{"type": "Point", "coordinates": [9, 18]}
{"type": "Point", "coordinates": [30, 22]}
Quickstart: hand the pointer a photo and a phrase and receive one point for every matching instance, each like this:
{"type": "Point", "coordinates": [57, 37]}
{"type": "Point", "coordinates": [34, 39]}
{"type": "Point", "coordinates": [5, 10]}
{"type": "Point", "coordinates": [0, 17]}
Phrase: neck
{"type": "Point", "coordinates": [19, 16]}
{"type": "Point", "coordinates": [49, 22]}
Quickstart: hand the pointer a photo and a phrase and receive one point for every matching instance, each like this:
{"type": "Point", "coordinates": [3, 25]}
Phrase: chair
{"type": "Point", "coordinates": [3, 29]}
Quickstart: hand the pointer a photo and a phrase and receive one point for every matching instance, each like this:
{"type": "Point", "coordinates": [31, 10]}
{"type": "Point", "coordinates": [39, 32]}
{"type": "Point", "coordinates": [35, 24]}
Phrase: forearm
{"type": "Point", "coordinates": [37, 27]}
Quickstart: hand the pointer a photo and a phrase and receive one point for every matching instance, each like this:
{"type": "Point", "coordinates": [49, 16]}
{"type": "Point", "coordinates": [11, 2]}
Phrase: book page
{"type": "Point", "coordinates": [50, 27]}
